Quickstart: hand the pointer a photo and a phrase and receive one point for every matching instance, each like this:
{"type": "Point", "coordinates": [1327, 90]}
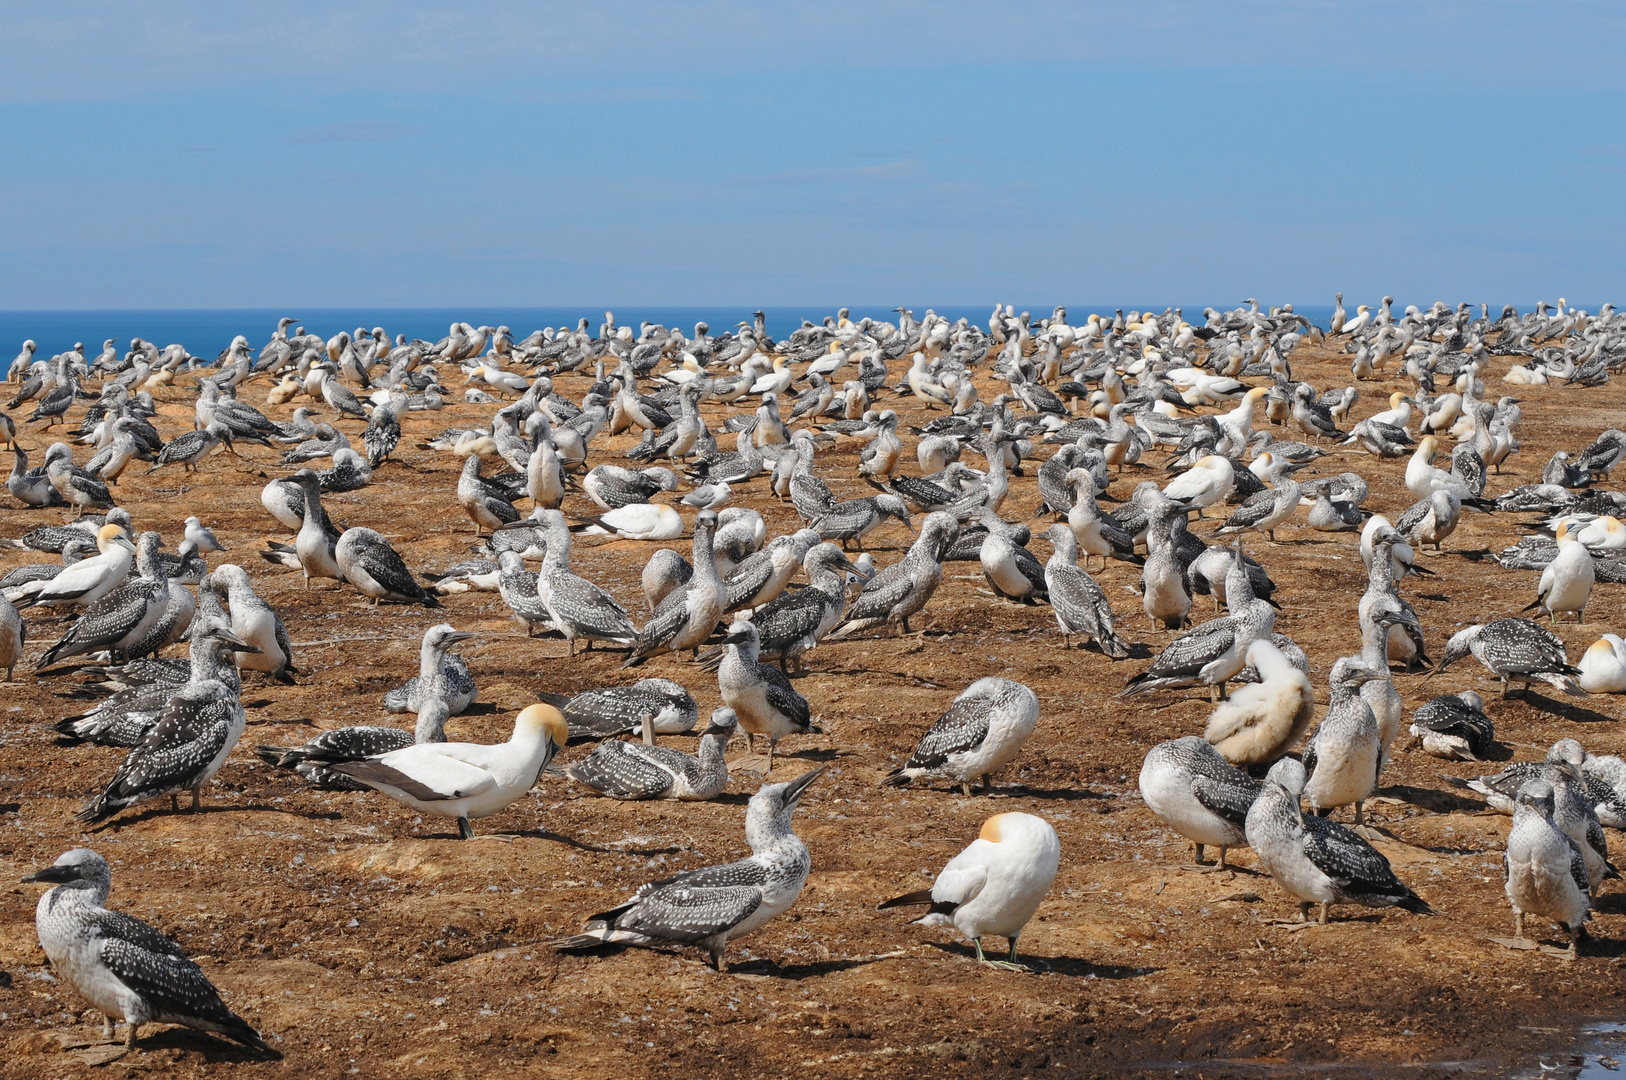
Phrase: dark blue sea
{"type": "Point", "coordinates": [205, 332]}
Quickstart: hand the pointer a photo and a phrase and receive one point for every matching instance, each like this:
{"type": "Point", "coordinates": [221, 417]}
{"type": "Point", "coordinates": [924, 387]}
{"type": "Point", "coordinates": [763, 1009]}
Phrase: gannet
{"type": "Point", "coordinates": [577, 607]}
{"type": "Point", "coordinates": [1566, 583]}
{"type": "Point", "coordinates": [202, 537]}
{"type": "Point", "coordinates": [88, 580]}
{"type": "Point", "coordinates": [440, 675]}
{"type": "Point", "coordinates": [1213, 653]}
{"type": "Point", "coordinates": [122, 619]}
{"type": "Point", "coordinates": [612, 486]}
{"type": "Point", "coordinates": [1263, 719]}
{"type": "Point", "coordinates": [980, 733]}
{"type": "Point", "coordinates": [1603, 666]}
{"type": "Point", "coordinates": [30, 488]}
{"type": "Point", "coordinates": [1455, 727]}
{"type": "Point", "coordinates": [195, 733]}
{"type": "Point", "coordinates": [1314, 860]}
{"type": "Point", "coordinates": [795, 622]}
{"type": "Point", "coordinates": [664, 571]}
{"type": "Point", "coordinates": [850, 521]}
{"type": "Point", "coordinates": [628, 770]}
{"type": "Point", "coordinates": [760, 694]}
{"type": "Point", "coordinates": [900, 590]}
{"type": "Point", "coordinates": [314, 545]}
{"type": "Point", "coordinates": [648, 707]}
{"type": "Point", "coordinates": [708, 908]}
{"type": "Point", "coordinates": [1546, 870]}
{"type": "Point", "coordinates": [466, 780]}
{"type": "Point", "coordinates": [1602, 457]}
{"type": "Point", "coordinates": [1345, 752]}
{"type": "Point", "coordinates": [995, 885]}
{"type": "Point", "coordinates": [125, 968]}
{"type": "Point", "coordinates": [638, 521]}
{"type": "Point", "coordinates": [13, 636]}
{"type": "Point", "coordinates": [1265, 510]}
{"type": "Point", "coordinates": [687, 615]}
{"type": "Point", "coordinates": [1197, 793]}
{"type": "Point", "coordinates": [1514, 649]}
{"type": "Point", "coordinates": [1204, 484]}
{"type": "Point", "coordinates": [1164, 592]}
{"type": "Point", "coordinates": [486, 508]}
{"type": "Point", "coordinates": [369, 563]}
{"type": "Point", "coordinates": [190, 447]}
{"type": "Point", "coordinates": [315, 759]}
{"type": "Point", "coordinates": [1077, 599]}
{"type": "Point", "coordinates": [257, 623]}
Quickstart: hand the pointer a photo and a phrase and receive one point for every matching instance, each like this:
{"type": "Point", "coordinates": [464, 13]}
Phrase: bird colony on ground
{"type": "Point", "coordinates": [1184, 428]}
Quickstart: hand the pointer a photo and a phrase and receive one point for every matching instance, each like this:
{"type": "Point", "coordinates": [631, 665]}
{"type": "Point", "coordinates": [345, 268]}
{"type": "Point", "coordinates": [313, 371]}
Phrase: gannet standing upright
{"type": "Point", "coordinates": [123, 967]}
{"type": "Point", "coordinates": [257, 623]}
{"type": "Point", "coordinates": [1514, 648]}
{"type": "Point", "coordinates": [578, 607]}
{"type": "Point", "coordinates": [709, 907]}
{"type": "Point", "coordinates": [1345, 752]}
{"type": "Point", "coordinates": [760, 694]}
{"type": "Point", "coordinates": [689, 613]}
{"type": "Point", "coordinates": [13, 636]}
{"type": "Point", "coordinates": [996, 884]}
{"type": "Point", "coordinates": [195, 733]}
{"type": "Point", "coordinates": [1566, 583]}
{"type": "Point", "coordinates": [1197, 793]}
{"type": "Point", "coordinates": [466, 780]}
{"type": "Point", "coordinates": [1546, 872]}
{"type": "Point", "coordinates": [1314, 860]}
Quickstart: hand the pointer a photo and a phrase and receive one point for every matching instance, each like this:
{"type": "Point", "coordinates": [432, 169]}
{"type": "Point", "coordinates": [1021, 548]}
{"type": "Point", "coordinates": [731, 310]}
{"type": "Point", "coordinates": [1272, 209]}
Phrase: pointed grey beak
{"type": "Point", "coordinates": [798, 787]}
{"type": "Point", "coordinates": [55, 874]}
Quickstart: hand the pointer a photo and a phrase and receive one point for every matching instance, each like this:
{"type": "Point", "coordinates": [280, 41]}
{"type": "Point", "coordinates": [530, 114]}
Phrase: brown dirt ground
{"type": "Point", "coordinates": [364, 941]}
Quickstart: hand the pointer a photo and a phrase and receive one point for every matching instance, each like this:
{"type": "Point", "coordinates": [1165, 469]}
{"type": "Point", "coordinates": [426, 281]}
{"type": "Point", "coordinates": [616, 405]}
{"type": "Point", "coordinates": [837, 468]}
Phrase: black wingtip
{"type": "Point", "coordinates": [921, 896]}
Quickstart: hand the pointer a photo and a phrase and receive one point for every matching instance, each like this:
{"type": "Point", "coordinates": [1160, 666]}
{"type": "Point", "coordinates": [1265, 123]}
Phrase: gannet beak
{"type": "Point", "coordinates": [233, 642]}
{"type": "Point", "coordinates": [736, 639]}
{"type": "Point", "coordinates": [457, 635]}
{"type": "Point", "coordinates": [54, 874]}
{"type": "Point", "coordinates": [798, 787]}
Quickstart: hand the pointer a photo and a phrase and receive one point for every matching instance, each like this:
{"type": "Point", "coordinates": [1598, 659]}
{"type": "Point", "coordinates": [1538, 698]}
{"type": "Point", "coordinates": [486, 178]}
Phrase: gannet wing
{"type": "Point", "coordinates": [427, 777]}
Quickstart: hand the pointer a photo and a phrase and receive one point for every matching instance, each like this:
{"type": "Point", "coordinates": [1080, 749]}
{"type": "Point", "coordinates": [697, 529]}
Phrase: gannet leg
{"type": "Point", "coordinates": [130, 1035]}
{"type": "Point", "coordinates": [174, 803]}
{"type": "Point", "coordinates": [107, 1026]}
{"type": "Point", "coordinates": [464, 829]}
{"type": "Point", "coordinates": [194, 799]}
{"type": "Point", "coordinates": [1324, 907]}
{"type": "Point", "coordinates": [1518, 924]}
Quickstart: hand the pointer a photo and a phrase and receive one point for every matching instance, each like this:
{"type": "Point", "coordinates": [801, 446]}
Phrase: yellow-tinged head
{"type": "Point", "coordinates": [1562, 531]}
{"type": "Point", "coordinates": [1612, 523]}
{"type": "Point", "coordinates": [991, 829]}
{"type": "Point", "coordinates": [540, 718]}
{"type": "Point", "coordinates": [1396, 398]}
{"type": "Point", "coordinates": [1602, 646]}
{"type": "Point", "coordinates": [1255, 394]}
{"type": "Point", "coordinates": [108, 536]}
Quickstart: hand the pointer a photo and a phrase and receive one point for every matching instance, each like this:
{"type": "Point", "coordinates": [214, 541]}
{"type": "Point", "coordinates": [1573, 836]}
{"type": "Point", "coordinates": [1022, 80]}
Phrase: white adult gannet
{"type": "Point", "coordinates": [1204, 484]}
{"type": "Point", "coordinates": [125, 968]}
{"type": "Point", "coordinates": [1603, 666]}
{"type": "Point", "coordinates": [980, 733]}
{"type": "Point", "coordinates": [638, 521]}
{"type": "Point", "coordinates": [995, 885]}
{"type": "Point", "coordinates": [710, 907]}
{"type": "Point", "coordinates": [88, 580]}
{"type": "Point", "coordinates": [467, 780]}
{"type": "Point", "coordinates": [1566, 583]}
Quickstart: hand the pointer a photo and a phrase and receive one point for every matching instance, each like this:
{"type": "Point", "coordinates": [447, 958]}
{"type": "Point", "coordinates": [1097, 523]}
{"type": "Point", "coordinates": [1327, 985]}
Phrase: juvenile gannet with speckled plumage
{"type": "Point", "coordinates": [466, 780]}
{"type": "Point", "coordinates": [123, 967]}
{"type": "Point", "coordinates": [1314, 860]}
{"type": "Point", "coordinates": [440, 675]}
{"type": "Point", "coordinates": [996, 884]}
{"type": "Point", "coordinates": [1345, 751]}
{"type": "Point", "coordinates": [1514, 648]}
{"type": "Point", "coordinates": [1545, 869]}
{"type": "Point", "coordinates": [629, 770]}
{"type": "Point", "coordinates": [257, 623]}
{"type": "Point", "coordinates": [980, 733]}
{"type": "Point", "coordinates": [195, 733]}
{"type": "Point", "coordinates": [1455, 727]}
{"type": "Point", "coordinates": [760, 694]}
{"type": "Point", "coordinates": [1196, 792]}
{"type": "Point", "coordinates": [708, 908]}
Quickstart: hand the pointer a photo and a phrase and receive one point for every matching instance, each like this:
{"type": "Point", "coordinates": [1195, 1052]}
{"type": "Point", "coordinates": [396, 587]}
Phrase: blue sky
{"type": "Point", "coordinates": [234, 154]}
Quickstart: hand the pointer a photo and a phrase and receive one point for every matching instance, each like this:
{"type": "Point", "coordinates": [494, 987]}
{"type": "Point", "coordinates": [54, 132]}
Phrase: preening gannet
{"type": "Point", "coordinates": [995, 885]}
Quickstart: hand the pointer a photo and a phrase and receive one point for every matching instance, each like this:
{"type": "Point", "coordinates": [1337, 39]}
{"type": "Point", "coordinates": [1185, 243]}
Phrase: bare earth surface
{"type": "Point", "coordinates": [360, 939]}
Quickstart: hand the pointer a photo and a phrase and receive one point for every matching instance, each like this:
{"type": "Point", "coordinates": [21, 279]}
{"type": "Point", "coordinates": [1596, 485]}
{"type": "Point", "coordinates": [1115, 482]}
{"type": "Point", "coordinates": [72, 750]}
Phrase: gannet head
{"type": "Point", "coordinates": [78, 865]}
{"type": "Point", "coordinates": [543, 721]}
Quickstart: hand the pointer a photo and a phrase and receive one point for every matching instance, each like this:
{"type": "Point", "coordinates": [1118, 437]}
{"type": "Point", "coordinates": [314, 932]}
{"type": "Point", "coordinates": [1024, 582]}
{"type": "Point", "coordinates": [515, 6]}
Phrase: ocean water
{"type": "Point", "coordinates": [206, 332]}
